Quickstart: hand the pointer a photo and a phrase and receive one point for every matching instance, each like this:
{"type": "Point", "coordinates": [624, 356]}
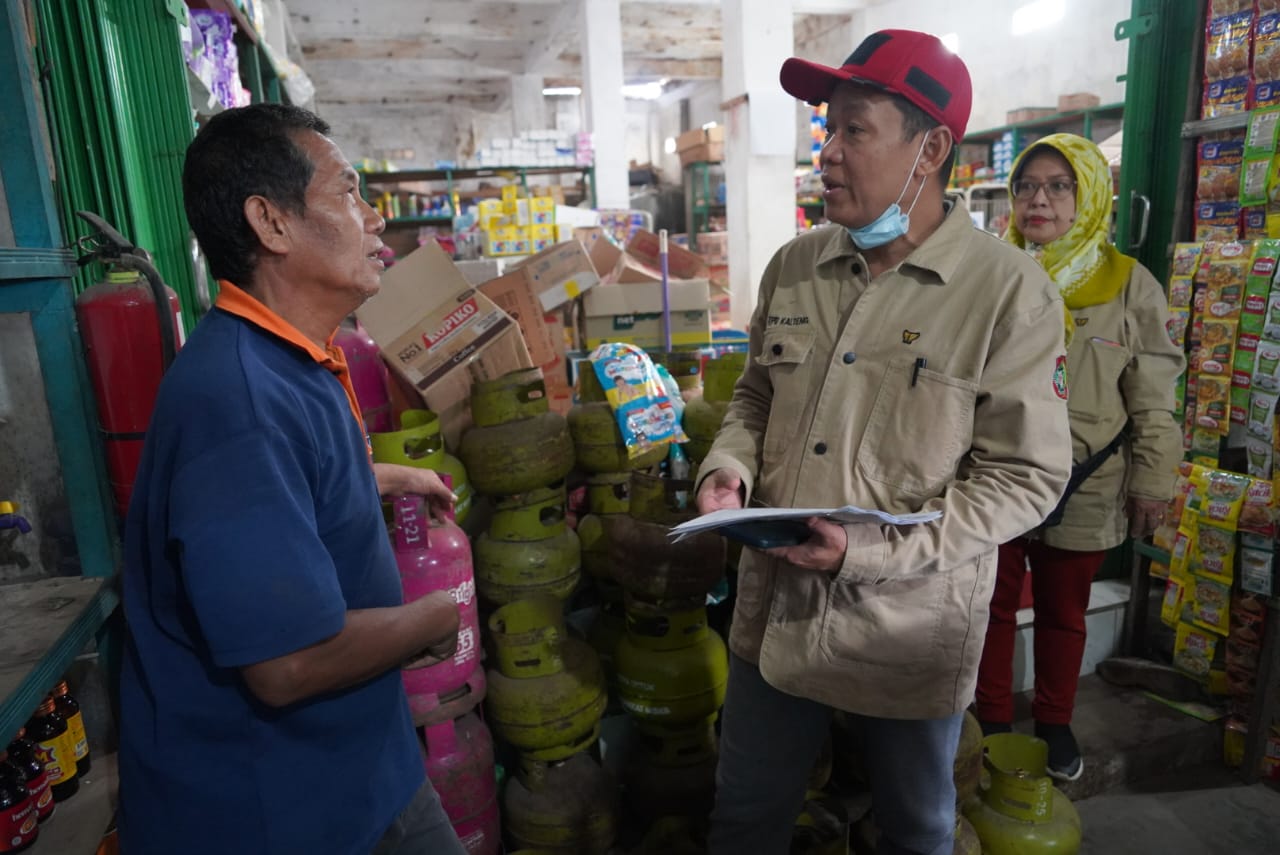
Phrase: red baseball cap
{"type": "Point", "coordinates": [917, 66]}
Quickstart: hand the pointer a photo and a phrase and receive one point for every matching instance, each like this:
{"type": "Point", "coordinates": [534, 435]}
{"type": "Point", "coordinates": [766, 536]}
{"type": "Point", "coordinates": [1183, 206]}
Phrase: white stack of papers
{"type": "Point", "coordinates": [847, 515]}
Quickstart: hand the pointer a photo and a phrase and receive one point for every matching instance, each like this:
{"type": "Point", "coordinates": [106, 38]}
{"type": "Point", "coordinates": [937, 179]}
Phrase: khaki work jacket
{"type": "Point", "coordinates": [1122, 369]}
{"type": "Point", "coordinates": [832, 410]}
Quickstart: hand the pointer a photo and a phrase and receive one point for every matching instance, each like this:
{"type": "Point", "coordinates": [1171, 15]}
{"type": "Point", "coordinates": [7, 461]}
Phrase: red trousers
{"type": "Point", "coordinates": [1060, 583]}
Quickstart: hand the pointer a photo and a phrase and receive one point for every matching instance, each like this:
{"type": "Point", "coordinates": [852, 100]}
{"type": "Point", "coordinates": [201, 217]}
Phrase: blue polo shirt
{"type": "Point", "coordinates": [255, 526]}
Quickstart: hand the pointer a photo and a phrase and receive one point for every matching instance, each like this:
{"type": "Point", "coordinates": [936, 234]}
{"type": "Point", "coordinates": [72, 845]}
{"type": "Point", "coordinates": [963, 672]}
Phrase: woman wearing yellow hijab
{"type": "Point", "coordinates": [1121, 371]}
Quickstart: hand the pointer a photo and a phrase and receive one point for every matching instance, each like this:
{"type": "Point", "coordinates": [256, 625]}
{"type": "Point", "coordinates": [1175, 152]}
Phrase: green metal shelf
{"type": "Point", "coordinates": [1086, 117]}
{"type": "Point", "coordinates": [43, 627]}
{"type": "Point", "coordinates": [449, 176]}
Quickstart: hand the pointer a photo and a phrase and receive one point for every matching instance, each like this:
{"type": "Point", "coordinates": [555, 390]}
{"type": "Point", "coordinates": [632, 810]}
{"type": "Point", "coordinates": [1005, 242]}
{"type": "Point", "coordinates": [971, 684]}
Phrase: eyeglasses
{"type": "Point", "coordinates": [1056, 189]}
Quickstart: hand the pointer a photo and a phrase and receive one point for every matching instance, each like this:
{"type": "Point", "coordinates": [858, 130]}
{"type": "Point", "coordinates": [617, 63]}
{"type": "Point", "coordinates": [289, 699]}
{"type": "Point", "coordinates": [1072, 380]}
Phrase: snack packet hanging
{"type": "Point", "coordinates": [1215, 552]}
{"type": "Point", "coordinates": [641, 406]}
{"type": "Point", "coordinates": [1223, 497]}
{"type": "Point", "coordinates": [1211, 606]}
{"type": "Point", "coordinates": [1193, 650]}
{"type": "Point", "coordinates": [1212, 409]}
{"type": "Point", "coordinates": [1171, 605]}
{"type": "Point", "coordinates": [1255, 572]}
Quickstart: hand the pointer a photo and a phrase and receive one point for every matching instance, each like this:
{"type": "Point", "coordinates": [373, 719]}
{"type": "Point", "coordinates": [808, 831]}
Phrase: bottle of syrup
{"type": "Point", "coordinates": [19, 826]}
{"type": "Point", "coordinates": [69, 707]}
{"type": "Point", "coordinates": [55, 749]}
{"type": "Point", "coordinates": [23, 754]}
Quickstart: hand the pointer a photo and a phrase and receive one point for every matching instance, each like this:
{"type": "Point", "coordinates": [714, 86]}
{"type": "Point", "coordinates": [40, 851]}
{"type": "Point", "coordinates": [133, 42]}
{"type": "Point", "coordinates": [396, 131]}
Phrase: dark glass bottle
{"type": "Point", "coordinates": [48, 730]}
{"type": "Point", "coordinates": [23, 754]}
{"type": "Point", "coordinates": [19, 826]}
{"type": "Point", "coordinates": [69, 707]}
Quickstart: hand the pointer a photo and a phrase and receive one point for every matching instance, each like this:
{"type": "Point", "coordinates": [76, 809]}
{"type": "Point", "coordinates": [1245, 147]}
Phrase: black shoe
{"type": "Point", "coordinates": [1065, 762]}
{"type": "Point", "coordinates": [992, 727]}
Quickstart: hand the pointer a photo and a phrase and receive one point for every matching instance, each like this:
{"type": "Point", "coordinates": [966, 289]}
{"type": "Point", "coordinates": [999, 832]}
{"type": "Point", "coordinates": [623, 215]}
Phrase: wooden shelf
{"type": "Point", "coordinates": [77, 826]}
{"type": "Point", "coordinates": [43, 626]}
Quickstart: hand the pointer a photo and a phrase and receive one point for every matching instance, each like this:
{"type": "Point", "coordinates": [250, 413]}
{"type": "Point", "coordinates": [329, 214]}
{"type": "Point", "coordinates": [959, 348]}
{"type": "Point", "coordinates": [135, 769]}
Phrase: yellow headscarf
{"type": "Point", "coordinates": [1083, 263]}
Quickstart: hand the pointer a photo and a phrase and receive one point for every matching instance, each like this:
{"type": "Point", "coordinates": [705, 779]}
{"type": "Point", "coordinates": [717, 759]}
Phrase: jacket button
{"type": "Point", "coordinates": [857, 269]}
{"type": "Point", "coordinates": [849, 357]}
{"type": "Point", "coordinates": [777, 350]}
{"type": "Point", "coordinates": [820, 448]}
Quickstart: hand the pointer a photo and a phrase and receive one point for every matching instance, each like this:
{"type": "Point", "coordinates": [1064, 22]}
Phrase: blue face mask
{"type": "Point", "coordinates": [892, 224]}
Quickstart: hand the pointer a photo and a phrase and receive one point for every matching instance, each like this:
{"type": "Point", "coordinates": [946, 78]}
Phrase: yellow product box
{"type": "Point", "coordinates": [542, 210]}
{"type": "Point", "coordinates": [542, 231]}
{"type": "Point", "coordinates": [510, 192]}
{"type": "Point", "coordinates": [489, 208]}
{"type": "Point", "coordinates": [493, 222]}
{"type": "Point", "coordinates": [509, 207]}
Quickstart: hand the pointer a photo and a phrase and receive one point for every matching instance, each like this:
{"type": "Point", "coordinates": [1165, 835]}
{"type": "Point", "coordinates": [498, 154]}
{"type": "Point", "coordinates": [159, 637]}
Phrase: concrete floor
{"type": "Point", "coordinates": [1194, 812]}
{"type": "Point", "coordinates": [1154, 781]}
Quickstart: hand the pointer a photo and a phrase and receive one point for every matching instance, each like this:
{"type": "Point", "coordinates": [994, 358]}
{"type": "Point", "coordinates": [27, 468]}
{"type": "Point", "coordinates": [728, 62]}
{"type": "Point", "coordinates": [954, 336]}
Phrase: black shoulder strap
{"type": "Point", "coordinates": [1080, 473]}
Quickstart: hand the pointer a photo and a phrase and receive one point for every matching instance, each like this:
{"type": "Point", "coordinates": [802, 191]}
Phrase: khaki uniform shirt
{"type": "Point", "coordinates": [1122, 368]}
{"type": "Point", "coordinates": [831, 410]}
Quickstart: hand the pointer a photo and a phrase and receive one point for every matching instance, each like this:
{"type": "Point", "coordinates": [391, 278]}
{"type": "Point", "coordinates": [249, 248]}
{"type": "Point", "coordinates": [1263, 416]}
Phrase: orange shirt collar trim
{"type": "Point", "coordinates": [238, 302]}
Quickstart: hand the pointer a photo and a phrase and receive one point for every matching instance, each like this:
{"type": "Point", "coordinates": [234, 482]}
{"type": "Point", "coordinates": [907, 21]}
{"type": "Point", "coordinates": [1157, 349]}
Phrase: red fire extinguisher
{"type": "Point", "coordinates": [130, 325]}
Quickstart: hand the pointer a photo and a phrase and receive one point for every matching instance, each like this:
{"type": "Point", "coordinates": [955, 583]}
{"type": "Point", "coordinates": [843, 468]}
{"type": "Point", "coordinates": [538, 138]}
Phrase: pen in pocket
{"type": "Point", "coordinates": [1108, 342]}
{"type": "Point", "coordinates": [915, 372]}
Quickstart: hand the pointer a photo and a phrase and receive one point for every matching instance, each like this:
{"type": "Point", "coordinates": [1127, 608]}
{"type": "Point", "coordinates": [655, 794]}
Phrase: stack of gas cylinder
{"type": "Point", "coordinates": [602, 456]}
{"type": "Point", "coordinates": [435, 555]}
{"type": "Point", "coordinates": [518, 453]}
{"type": "Point", "coordinates": [671, 668]}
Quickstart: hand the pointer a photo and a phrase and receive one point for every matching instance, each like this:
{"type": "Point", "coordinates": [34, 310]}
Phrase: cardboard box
{"type": "Point", "coordinates": [604, 253]}
{"type": "Point", "coordinates": [451, 398]}
{"type": "Point", "coordinates": [633, 313]}
{"type": "Point", "coordinates": [428, 320]}
{"type": "Point", "coordinates": [707, 152]}
{"type": "Point", "coordinates": [512, 293]}
{"type": "Point", "coordinates": [481, 270]}
{"type": "Point", "coordinates": [1077, 101]}
{"type": "Point", "coordinates": [1027, 114]}
{"type": "Point", "coordinates": [560, 274]}
{"type": "Point", "coordinates": [642, 261]}
{"type": "Point", "coordinates": [713, 247]}
{"type": "Point", "coordinates": [700, 136]}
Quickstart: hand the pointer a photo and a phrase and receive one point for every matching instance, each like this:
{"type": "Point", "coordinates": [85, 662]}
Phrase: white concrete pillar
{"type": "Point", "coordinates": [528, 104]}
{"type": "Point", "coordinates": [602, 99]}
{"type": "Point", "coordinates": [760, 143]}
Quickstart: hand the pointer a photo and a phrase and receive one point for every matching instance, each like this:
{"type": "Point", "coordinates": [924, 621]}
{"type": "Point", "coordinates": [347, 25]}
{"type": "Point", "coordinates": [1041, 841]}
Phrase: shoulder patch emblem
{"type": "Point", "coordinates": [909, 336]}
{"type": "Point", "coordinates": [1060, 378]}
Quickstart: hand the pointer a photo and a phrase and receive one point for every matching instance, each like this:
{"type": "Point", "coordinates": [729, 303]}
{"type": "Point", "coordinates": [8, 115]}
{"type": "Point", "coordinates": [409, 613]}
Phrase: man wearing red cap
{"type": "Point", "coordinates": [901, 360]}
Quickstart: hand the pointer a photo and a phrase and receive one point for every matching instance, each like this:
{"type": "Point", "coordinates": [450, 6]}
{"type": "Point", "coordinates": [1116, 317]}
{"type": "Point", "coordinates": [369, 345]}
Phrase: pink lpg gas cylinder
{"type": "Point", "coordinates": [459, 762]}
{"type": "Point", "coordinates": [435, 555]}
{"type": "Point", "coordinates": [368, 376]}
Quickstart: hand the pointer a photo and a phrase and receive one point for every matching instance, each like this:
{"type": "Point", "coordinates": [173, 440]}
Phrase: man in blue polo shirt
{"type": "Point", "coordinates": [262, 709]}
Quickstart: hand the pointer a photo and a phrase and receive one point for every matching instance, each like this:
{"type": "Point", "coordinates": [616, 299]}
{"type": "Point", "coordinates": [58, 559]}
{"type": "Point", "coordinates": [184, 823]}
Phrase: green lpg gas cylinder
{"type": "Point", "coordinates": [672, 668]}
{"type": "Point", "coordinates": [705, 413]}
{"type": "Point", "coordinates": [517, 443]}
{"type": "Point", "coordinates": [608, 494]}
{"type": "Point", "coordinates": [569, 806]}
{"type": "Point", "coordinates": [547, 693]}
{"type": "Point", "coordinates": [419, 443]}
{"type": "Point", "coordinates": [528, 548]}
{"type": "Point", "coordinates": [671, 770]}
{"type": "Point", "coordinates": [645, 561]}
{"type": "Point", "coordinates": [1020, 812]}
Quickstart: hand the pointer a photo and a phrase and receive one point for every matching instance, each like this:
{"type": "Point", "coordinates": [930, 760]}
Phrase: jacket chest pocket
{"type": "Point", "coordinates": [919, 427]}
{"type": "Point", "coordinates": [788, 356]}
{"type": "Point", "coordinates": [1093, 381]}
